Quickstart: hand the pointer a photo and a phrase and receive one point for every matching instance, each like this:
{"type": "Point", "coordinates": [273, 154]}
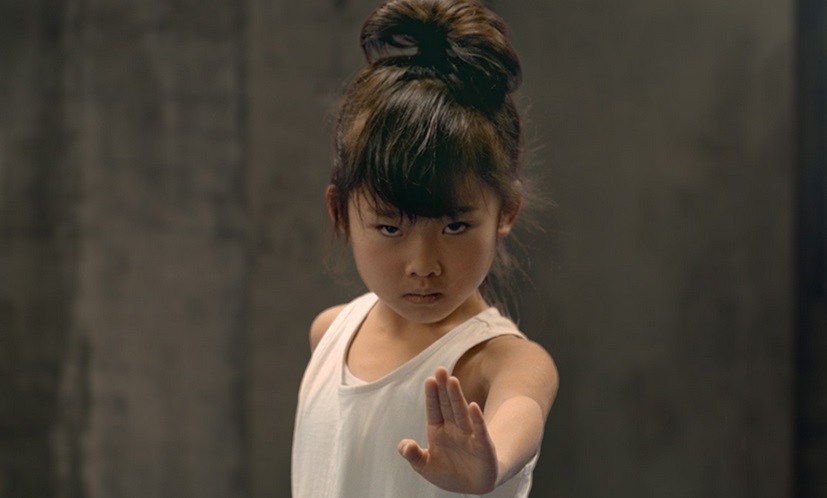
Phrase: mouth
{"type": "Point", "coordinates": [423, 297]}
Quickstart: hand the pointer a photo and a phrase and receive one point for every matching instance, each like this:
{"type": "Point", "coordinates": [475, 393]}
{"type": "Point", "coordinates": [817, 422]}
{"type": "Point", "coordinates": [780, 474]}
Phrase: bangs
{"type": "Point", "coordinates": [422, 159]}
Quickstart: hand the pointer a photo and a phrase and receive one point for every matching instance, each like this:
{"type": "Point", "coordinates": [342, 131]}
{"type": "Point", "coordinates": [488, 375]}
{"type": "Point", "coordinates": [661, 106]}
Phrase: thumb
{"type": "Point", "coordinates": [412, 452]}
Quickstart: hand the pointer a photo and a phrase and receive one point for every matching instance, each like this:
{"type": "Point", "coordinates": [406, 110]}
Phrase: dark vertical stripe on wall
{"type": "Point", "coordinates": [36, 244]}
{"type": "Point", "coordinates": [811, 240]}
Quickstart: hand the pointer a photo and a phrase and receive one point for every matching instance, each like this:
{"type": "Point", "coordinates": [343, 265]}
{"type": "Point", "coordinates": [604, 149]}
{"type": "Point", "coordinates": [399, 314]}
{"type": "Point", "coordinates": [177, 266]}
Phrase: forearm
{"type": "Point", "coordinates": [516, 428]}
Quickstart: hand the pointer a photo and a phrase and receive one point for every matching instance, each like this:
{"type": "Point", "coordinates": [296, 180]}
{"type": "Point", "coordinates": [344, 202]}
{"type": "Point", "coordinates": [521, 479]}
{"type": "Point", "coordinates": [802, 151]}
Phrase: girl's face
{"type": "Point", "coordinates": [428, 271]}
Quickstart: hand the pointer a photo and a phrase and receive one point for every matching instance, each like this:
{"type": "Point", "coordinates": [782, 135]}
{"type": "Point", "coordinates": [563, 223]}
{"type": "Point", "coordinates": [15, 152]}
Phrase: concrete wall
{"type": "Point", "coordinates": [666, 298]}
{"type": "Point", "coordinates": [125, 235]}
{"type": "Point", "coordinates": [163, 241]}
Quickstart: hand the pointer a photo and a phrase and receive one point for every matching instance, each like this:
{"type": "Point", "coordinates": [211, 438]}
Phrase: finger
{"type": "Point", "coordinates": [413, 453]}
{"type": "Point", "coordinates": [444, 399]}
{"type": "Point", "coordinates": [478, 421]}
{"type": "Point", "coordinates": [433, 412]}
{"type": "Point", "coordinates": [459, 406]}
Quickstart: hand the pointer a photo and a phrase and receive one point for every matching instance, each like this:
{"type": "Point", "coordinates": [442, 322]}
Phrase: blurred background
{"type": "Point", "coordinates": [163, 242]}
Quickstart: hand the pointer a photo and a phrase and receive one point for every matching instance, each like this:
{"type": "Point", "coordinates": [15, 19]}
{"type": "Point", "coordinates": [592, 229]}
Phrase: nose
{"type": "Point", "coordinates": [423, 258]}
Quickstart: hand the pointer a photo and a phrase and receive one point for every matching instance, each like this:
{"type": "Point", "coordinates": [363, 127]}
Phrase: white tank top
{"type": "Point", "coordinates": [346, 434]}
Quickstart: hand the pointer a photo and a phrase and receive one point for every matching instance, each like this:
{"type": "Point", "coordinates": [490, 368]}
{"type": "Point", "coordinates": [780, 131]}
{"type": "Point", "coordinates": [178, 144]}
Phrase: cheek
{"type": "Point", "coordinates": [475, 258]}
{"type": "Point", "coordinates": [372, 262]}
{"type": "Point", "coordinates": [363, 248]}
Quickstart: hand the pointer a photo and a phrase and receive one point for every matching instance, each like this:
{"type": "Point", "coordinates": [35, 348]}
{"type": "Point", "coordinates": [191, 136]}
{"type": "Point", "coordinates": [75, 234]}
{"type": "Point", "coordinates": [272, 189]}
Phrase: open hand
{"type": "Point", "coordinates": [460, 456]}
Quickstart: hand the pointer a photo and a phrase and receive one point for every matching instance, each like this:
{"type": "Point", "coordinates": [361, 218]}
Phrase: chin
{"type": "Point", "coordinates": [428, 315]}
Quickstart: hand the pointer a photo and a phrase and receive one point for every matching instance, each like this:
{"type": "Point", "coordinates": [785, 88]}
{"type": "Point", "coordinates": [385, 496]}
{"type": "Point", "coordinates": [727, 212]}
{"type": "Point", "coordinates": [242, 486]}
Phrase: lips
{"type": "Point", "coordinates": [423, 297]}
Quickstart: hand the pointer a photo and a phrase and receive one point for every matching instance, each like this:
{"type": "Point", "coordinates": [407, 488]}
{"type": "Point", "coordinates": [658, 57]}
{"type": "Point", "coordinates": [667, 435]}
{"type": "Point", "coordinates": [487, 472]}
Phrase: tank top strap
{"type": "Point", "coordinates": [346, 323]}
{"type": "Point", "coordinates": [478, 329]}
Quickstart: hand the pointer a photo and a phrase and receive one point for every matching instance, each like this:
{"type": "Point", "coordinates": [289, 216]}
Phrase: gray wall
{"type": "Point", "coordinates": [163, 242]}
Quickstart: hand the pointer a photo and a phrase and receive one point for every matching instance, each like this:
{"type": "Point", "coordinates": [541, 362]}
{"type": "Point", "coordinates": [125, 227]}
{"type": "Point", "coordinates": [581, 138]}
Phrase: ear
{"type": "Point", "coordinates": [338, 219]}
{"type": "Point", "coordinates": [509, 216]}
{"type": "Point", "coordinates": [329, 194]}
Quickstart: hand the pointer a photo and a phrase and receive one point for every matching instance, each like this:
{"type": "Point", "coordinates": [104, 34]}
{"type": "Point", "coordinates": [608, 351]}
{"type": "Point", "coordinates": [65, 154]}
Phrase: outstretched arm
{"type": "Point", "coordinates": [472, 452]}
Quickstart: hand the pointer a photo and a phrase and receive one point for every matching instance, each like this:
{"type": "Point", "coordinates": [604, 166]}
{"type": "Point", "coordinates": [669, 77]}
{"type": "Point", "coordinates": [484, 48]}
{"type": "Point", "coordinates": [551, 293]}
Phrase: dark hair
{"type": "Point", "coordinates": [431, 112]}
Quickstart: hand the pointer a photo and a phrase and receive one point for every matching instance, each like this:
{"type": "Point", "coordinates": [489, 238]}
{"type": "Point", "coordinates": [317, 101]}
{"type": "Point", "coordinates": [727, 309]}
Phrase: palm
{"type": "Point", "coordinates": [460, 456]}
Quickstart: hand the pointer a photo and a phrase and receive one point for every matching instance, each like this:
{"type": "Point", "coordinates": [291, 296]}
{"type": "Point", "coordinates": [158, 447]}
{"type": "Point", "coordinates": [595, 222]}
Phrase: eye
{"type": "Point", "coordinates": [389, 230]}
{"type": "Point", "coordinates": [456, 227]}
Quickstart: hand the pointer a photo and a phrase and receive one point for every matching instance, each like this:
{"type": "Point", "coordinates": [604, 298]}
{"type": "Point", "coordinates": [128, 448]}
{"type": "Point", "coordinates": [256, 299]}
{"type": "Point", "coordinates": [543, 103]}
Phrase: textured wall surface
{"type": "Point", "coordinates": [667, 300]}
{"type": "Point", "coordinates": [163, 243]}
{"type": "Point", "coordinates": [37, 248]}
{"type": "Point", "coordinates": [162, 266]}
{"type": "Point", "coordinates": [126, 230]}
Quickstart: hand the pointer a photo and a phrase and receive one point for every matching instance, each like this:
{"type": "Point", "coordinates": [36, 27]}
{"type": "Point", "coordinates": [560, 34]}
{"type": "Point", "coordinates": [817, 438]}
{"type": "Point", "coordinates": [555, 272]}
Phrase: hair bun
{"type": "Point", "coordinates": [460, 42]}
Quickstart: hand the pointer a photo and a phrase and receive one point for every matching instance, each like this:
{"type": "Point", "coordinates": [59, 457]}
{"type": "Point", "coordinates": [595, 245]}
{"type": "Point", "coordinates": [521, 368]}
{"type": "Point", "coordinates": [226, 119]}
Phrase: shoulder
{"type": "Point", "coordinates": [321, 323]}
{"type": "Point", "coordinates": [509, 365]}
{"type": "Point", "coordinates": [513, 352]}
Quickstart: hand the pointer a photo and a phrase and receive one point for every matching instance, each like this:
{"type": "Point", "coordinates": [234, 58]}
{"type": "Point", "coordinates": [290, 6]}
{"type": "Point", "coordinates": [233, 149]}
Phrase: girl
{"type": "Point", "coordinates": [420, 388]}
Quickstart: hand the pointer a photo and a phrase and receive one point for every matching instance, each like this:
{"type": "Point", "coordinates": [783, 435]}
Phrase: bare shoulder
{"type": "Point", "coordinates": [513, 366]}
{"type": "Point", "coordinates": [321, 323]}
